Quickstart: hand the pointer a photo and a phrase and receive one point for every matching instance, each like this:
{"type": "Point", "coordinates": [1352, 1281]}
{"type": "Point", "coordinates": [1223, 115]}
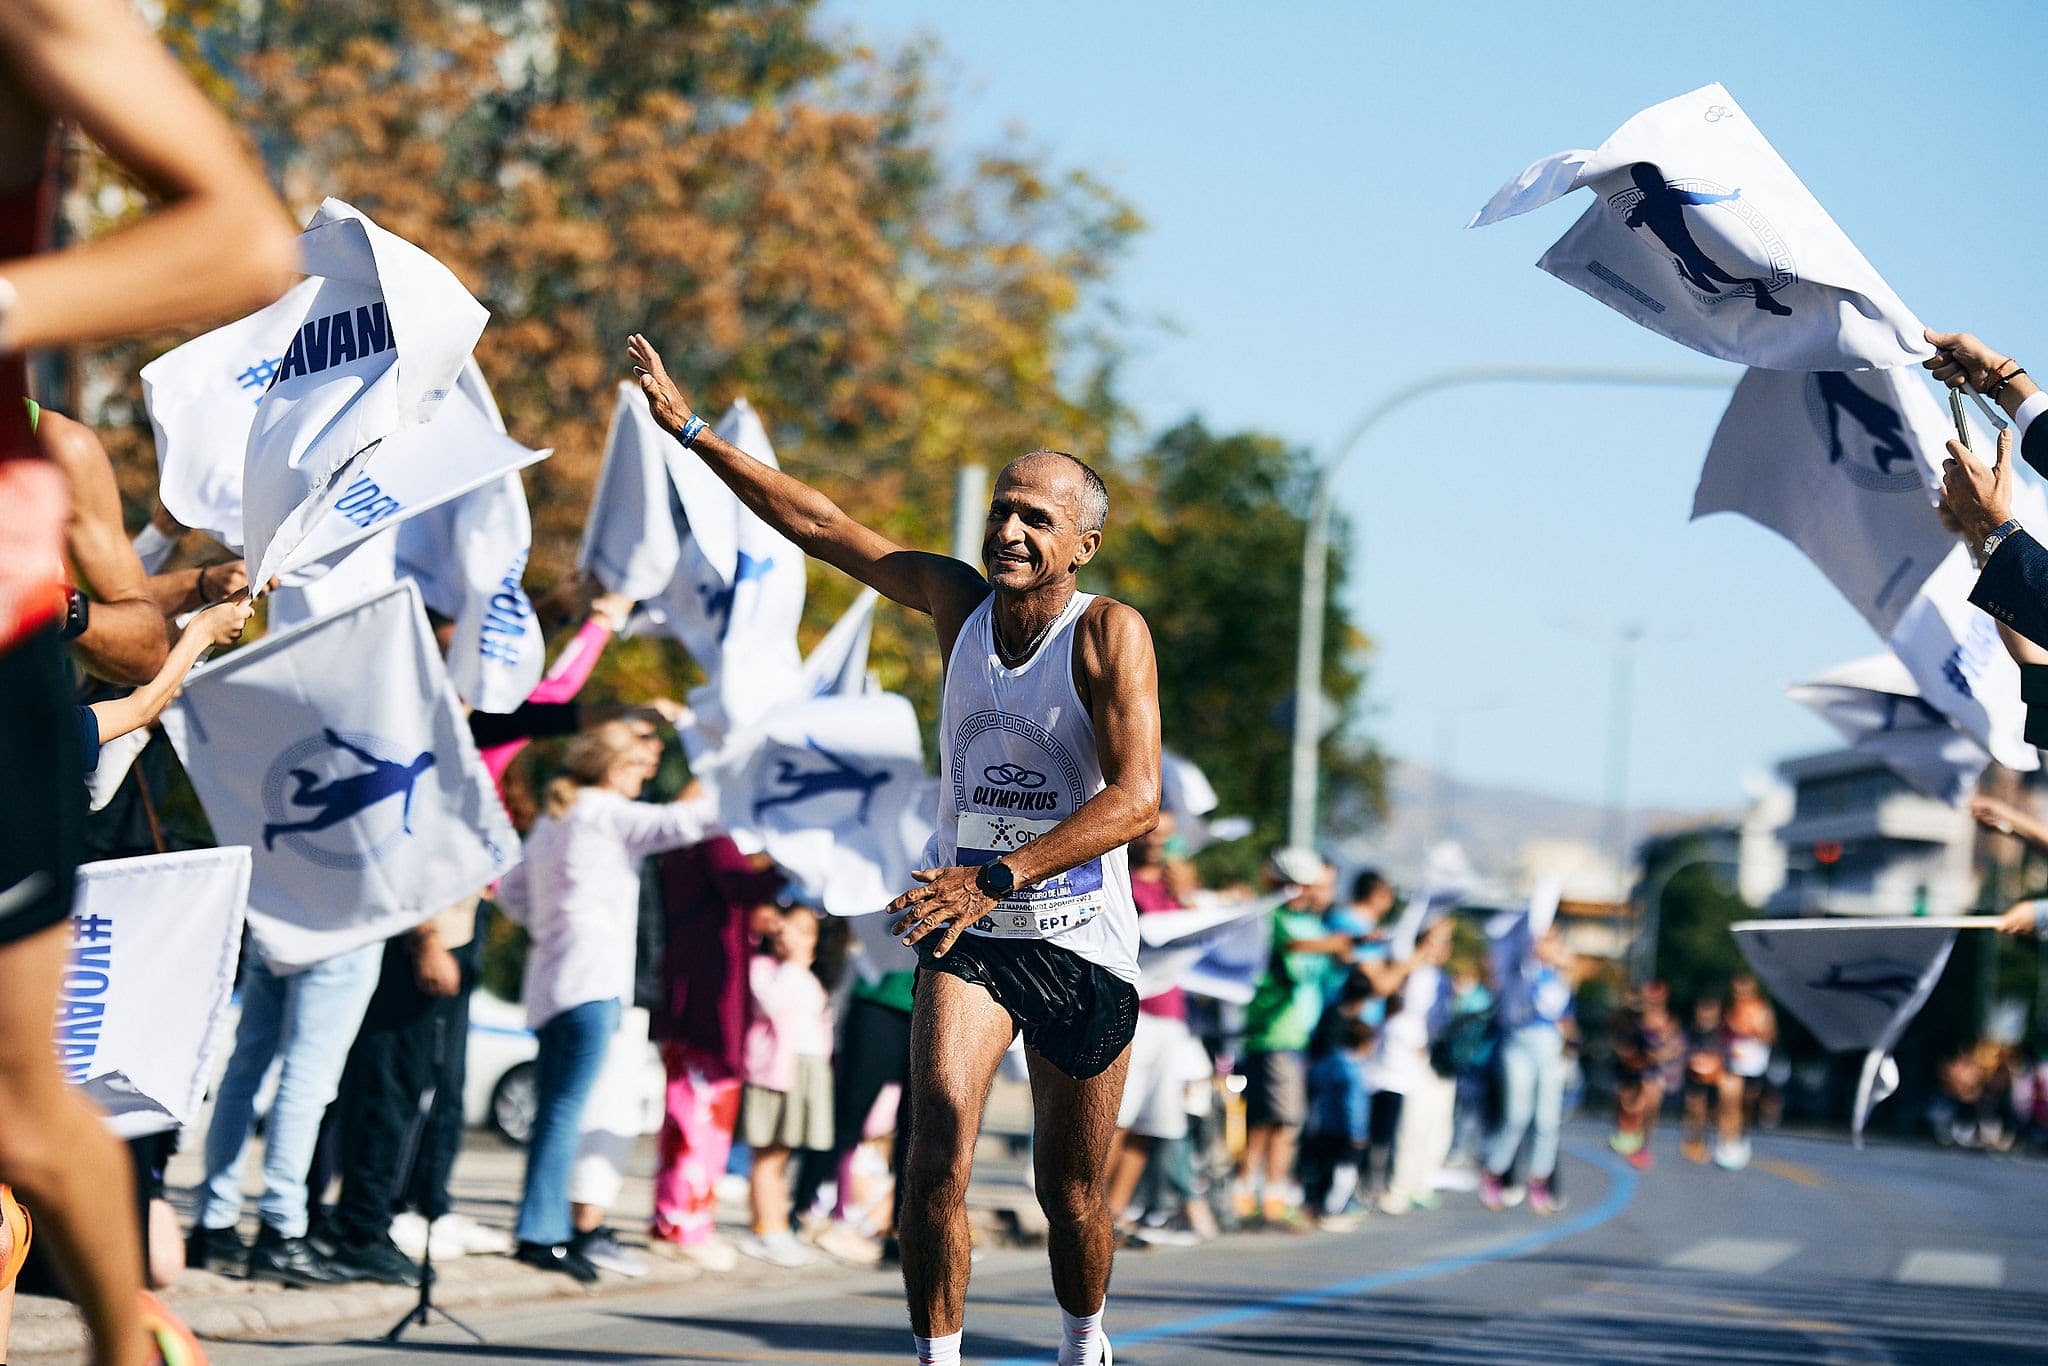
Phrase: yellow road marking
{"type": "Point", "coordinates": [1791, 1171]}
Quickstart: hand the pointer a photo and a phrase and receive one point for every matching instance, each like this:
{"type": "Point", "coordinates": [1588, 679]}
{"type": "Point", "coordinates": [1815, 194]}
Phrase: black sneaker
{"type": "Point", "coordinates": [214, 1249]}
{"type": "Point", "coordinates": [558, 1257]}
{"type": "Point", "coordinates": [289, 1261]}
{"type": "Point", "coordinates": [379, 1261]}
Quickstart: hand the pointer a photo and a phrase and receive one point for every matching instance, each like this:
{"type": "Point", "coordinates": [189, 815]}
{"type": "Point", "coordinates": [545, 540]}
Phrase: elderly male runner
{"type": "Point", "coordinates": [1049, 764]}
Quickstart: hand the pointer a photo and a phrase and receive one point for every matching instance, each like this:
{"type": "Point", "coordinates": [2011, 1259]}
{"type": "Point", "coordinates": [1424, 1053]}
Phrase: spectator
{"type": "Point", "coordinates": [1279, 1022]}
{"type": "Point", "coordinates": [1470, 1046]}
{"type": "Point", "coordinates": [1752, 1032]}
{"type": "Point", "coordinates": [1404, 1066]}
{"type": "Point", "coordinates": [1536, 1007]}
{"type": "Point", "coordinates": [1154, 1113]}
{"type": "Point", "coordinates": [786, 1103]}
{"type": "Point", "coordinates": [1706, 1076]}
{"type": "Point", "coordinates": [1645, 1044]}
{"type": "Point", "coordinates": [719, 903]}
{"type": "Point", "coordinates": [577, 891]}
{"type": "Point", "coordinates": [1337, 1134]}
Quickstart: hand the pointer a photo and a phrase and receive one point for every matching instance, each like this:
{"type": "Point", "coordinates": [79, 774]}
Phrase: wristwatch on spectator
{"type": "Point", "coordinates": [1996, 538]}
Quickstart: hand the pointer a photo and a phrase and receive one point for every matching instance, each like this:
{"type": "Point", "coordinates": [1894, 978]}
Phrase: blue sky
{"type": "Point", "coordinates": [1305, 171]}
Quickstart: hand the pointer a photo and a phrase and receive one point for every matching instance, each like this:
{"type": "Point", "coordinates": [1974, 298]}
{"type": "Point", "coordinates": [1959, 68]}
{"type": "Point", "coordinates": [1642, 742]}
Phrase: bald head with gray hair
{"type": "Point", "coordinates": [1091, 495]}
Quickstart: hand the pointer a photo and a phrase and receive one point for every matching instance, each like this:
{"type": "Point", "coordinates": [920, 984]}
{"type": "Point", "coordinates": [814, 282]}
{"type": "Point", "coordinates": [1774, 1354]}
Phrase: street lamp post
{"type": "Point", "coordinates": [1308, 653]}
{"type": "Point", "coordinates": [1644, 950]}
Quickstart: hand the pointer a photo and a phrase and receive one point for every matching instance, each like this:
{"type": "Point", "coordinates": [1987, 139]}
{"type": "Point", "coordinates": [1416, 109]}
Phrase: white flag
{"type": "Point", "coordinates": [1699, 231]}
{"type": "Point", "coordinates": [745, 610]}
{"type": "Point", "coordinates": [838, 666]}
{"type": "Point", "coordinates": [1961, 666]}
{"type": "Point", "coordinates": [1877, 708]}
{"type": "Point", "coordinates": [1855, 984]}
{"type": "Point", "coordinates": [1174, 945]}
{"type": "Point", "coordinates": [1846, 467]}
{"type": "Point", "coordinates": [154, 943]}
{"type": "Point", "coordinates": [633, 534]}
{"type": "Point", "coordinates": [339, 753]}
{"type": "Point", "coordinates": [1447, 878]}
{"type": "Point", "coordinates": [314, 590]}
{"type": "Point", "coordinates": [379, 345]}
{"type": "Point", "coordinates": [1186, 792]}
{"type": "Point", "coordinates": [834, 790]}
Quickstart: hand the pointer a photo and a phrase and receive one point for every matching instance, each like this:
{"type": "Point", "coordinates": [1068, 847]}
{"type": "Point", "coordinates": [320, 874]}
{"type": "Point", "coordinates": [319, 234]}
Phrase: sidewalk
{"type": "Point", "coordinates": [486, 1188]}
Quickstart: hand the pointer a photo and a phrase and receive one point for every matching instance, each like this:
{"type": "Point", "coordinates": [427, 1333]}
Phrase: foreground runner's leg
{"type": "Point", "coordinates": [1075, 1122]}
{"type": "Point", "coordinates": [59, 1157]}
{"type": "Point", "coordinates": [957, 1037]}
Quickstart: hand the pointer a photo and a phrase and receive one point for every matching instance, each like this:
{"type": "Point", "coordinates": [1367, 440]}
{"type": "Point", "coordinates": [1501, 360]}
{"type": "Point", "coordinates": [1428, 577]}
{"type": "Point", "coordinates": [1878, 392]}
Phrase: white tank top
{"type": "Point", "coordinates": [1017, 757]}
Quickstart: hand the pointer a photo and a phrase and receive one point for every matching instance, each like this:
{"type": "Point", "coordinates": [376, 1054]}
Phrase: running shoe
{"type": "Point", "coordinates": [845, 1243]}
{"type": "Point", "coordinates": [465, 1236]}
{"type": "Point", "coordinates": [1732, 1157]}
{"type": "Point", "coordinates": [1396, 1205]}
{"type": "Point", "coordinates": [1642, 1159]}
{"type": "Point", "coordinates": [602, 1249]}
{"type": "Point", "coordinates": [779, 1248]}
{"type": "Point", "coordinates": [1541, 1201]}
{"type": "Point", "coordinates": [1695, 1149]}
{"type": "Point", "coordinates": [170, 1342]}
{"type": "Point", "coordinates": [706, 1254]}
{"type": "Point", "coordinates": [1513, 1196]}
{"type": "Point", "coordinates": [557, 1257]}
{"type": "Point", "coordinates": [1490, 1193]}
{"type": "Point", "coordinates": [1625, 1141]}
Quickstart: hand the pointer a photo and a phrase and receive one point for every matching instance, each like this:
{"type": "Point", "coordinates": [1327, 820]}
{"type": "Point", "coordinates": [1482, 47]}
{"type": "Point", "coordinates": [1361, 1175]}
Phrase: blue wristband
{"type": "Point", "coordinates": [691, 429]}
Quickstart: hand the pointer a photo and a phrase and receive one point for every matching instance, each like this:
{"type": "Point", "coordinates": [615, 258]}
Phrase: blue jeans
{"type": "Point", "coordinates": [572, 1048]}
{"type": "Point", "coordinates": [306, 1021]}
{"type": "Point", "coordinates": [1532, 1081]}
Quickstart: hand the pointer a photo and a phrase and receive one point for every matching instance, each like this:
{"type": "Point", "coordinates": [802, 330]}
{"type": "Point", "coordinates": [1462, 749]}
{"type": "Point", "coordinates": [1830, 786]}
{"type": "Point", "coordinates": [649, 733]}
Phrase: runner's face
{"type": "Point", "coordinates": [1034, 536]}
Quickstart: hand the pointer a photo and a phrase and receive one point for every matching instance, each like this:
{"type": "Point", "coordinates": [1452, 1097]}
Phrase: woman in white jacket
{"type": "Point", "coordinates": [578, 893]}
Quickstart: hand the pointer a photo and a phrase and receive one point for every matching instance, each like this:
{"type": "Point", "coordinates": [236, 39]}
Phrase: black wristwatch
{"type": "Point", "coordinates": [996, 879]}
{"type": "Point", "coordinates": [77, 614]}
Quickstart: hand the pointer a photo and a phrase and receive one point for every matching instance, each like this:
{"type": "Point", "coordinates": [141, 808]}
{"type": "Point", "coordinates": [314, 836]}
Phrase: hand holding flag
{"type": "Point", "coordinates": [1978, 498]}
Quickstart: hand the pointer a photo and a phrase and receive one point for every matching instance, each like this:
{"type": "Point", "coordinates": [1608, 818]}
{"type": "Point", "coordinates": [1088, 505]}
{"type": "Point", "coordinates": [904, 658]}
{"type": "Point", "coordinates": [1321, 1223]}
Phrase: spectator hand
{"type": "Point", "coordinates": [1960, 359]}
{"type": "Point", "coordinates": [222, 623]}
{"type": "Point", "coordinates": [946, 903]}
{"type": "Point", "coordinates": [2018, 920]}
{"type": "Point", "coordinates": [614, 608]}
{"type": "Point", "coordinates": [219, 582]}
{"type": "Point", "coordinates": [1992, 814]}
{"type": "Point", "coordinates": [435, 970]}
{"type": "Point", "coordinates": [664, 400]}
{"type": "Point", "coordinates": [1979, 498]}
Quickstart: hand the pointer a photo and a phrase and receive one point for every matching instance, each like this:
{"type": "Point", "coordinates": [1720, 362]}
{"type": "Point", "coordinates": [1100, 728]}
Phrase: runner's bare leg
{"type": "Point", "coordinates": [59, 1157]}
{"type": "Point", "coordinates": [1075, 1122]}
{"type": "Point", "coordinates": [957, 1037]}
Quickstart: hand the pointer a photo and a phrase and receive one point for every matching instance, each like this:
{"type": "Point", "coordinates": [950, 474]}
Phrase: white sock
{"type": "Point", "coordinates": [943, 1351]}
{"type": "Point", "coordinates": [1080, 1339]}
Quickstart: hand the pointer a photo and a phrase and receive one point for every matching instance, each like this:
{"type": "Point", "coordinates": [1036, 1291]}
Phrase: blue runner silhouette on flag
{"type": "Point", "coordinates": [1878, 419]}
{"type": "Point", "coordinates": [718, 599]}
{"type": "Point", "coordinates": [1882, 980]}
{"type": "Point", "coordinates": [1662, 210]}
{"type": "Point", "coordinates": [340, 799]}
{"type": "Point", "coordinates": [804, 785]}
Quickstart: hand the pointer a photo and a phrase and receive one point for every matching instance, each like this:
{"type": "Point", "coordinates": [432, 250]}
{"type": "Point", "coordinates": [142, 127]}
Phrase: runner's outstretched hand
{"type": "Point", "coordinates": [946, 903]}
{"type": "Point", "coordinates": [664, 400]}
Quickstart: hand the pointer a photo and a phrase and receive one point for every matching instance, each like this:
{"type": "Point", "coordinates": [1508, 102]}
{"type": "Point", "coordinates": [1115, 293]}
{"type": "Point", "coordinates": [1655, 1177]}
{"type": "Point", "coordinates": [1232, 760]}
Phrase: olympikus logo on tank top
{"type": "Point", "coordinates": [1018, 756]}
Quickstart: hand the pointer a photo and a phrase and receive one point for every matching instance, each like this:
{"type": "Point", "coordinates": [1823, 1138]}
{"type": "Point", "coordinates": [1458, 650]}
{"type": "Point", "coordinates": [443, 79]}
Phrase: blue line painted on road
{"type": "Point", "coordinates": [1621, 1188]}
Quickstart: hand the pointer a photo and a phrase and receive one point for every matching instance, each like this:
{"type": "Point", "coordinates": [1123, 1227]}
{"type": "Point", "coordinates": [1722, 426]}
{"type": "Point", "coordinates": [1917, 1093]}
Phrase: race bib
{"type": "Point", "coordinates": [1051, 907]}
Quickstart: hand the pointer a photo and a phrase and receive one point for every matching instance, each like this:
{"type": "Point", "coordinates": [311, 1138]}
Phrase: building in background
{"type": "Point", "coordinates": [1861, 841]}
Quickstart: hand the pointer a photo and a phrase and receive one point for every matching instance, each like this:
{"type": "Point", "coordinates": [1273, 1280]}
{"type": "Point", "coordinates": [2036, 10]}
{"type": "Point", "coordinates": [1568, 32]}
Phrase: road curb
{"type": "Point", "coordinates": [227, 1308]}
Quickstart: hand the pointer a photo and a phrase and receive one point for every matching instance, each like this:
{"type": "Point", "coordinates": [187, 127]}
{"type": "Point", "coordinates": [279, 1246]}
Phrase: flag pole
{"type": "Point", "coordinates": [1858, 922]}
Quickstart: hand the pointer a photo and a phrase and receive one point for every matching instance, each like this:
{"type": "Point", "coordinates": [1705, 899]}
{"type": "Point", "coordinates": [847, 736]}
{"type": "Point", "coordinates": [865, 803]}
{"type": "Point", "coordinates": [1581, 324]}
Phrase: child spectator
{"type": "Point", "coordinates": [1338, 1133]}
{"type": "Point", "coordinates": [787, 1101]}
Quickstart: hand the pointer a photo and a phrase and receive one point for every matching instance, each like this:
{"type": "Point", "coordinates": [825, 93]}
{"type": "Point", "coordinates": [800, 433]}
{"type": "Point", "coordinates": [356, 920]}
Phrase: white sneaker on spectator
{"type": "Point", "coordinates": [604, 1251]}
{"type": "Point", "coordinates": [409, 1234]}
{"type": "Point", "coordinates": [712, 1254]}
{"type": "Point", "coordinates": [465, 1235]}
{"type": "Point", "coordinates": [779, 1248]}
{"type": "Point", "coordinates": [848, 1244]}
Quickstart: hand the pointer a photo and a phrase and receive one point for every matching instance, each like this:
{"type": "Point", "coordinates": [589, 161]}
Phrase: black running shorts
{"type": "Point", "coordinates": [42, 788]}
{"type": "Point", "coordinates": [1077, 1015]}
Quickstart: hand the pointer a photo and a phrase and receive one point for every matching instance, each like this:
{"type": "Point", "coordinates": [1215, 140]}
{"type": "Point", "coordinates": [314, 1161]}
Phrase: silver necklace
{"type": "Point", "coordinates": [1010, 661]}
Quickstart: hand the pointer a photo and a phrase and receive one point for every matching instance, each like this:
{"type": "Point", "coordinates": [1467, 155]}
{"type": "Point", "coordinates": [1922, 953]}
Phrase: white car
{"type": "Point", "coordinates": [498, 1090]}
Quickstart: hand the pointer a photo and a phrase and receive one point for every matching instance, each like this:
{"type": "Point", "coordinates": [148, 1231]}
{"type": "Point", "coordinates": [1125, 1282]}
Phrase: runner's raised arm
{"type": "Point", "coordinates": [938, 585]}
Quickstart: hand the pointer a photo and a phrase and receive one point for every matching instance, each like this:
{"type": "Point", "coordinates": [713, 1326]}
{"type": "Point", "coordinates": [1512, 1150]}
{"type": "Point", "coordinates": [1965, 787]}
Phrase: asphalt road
{"type": "Point", "coordinates": [1817, 1254]}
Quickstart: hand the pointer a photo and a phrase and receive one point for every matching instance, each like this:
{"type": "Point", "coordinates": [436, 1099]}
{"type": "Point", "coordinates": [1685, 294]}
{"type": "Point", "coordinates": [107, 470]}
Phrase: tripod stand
{"type": "Point", "coordinates": [421, 1314]}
